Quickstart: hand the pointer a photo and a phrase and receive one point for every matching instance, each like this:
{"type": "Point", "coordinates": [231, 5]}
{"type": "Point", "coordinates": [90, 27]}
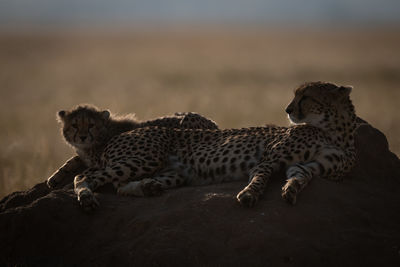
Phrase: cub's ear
{"type": "Point", "coordinates": [105, 114]}
{"type": "Point", "coordinates": [346, 89]}
{"type": "Point", "coordinates": [61, 115]}
{"type": "Point", "coordinates": [343, 91]}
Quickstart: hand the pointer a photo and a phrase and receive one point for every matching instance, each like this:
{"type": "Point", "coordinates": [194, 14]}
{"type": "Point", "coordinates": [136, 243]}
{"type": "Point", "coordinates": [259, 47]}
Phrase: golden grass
{"type": "Point", "coordinates": [237, 78]}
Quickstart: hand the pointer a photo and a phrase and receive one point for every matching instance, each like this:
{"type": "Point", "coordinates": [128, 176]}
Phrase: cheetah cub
{"type": "Point", "coordinates": [88, 129]}
{"type": "Point", "coordinates": [320, 142]}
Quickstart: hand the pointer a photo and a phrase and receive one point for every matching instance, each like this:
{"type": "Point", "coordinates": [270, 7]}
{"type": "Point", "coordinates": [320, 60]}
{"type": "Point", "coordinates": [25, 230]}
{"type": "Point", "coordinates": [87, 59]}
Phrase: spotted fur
{"type": "Point", "coordinates": [88, 129]}
{"type": "Point", "coordinates": [320, 142]}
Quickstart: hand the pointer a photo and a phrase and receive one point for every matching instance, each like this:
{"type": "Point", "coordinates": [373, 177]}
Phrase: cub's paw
{"type": "Point", "coordinates": [87, 201]}
{"type": "Point", "coordinates": [247, 198]}
{"type": "Point", "coordinates": [57, 177]}
{"type": "Point", "coordinates": [151, 187]}
{"type": "Point", "coordinates": [290, 191]}
{"type": "Point", "coordinates": [52, 182]}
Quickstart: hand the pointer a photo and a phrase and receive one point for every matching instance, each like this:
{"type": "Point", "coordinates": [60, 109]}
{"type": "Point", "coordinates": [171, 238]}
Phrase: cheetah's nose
{"type": "Point", "coordinates": [289, 110]}
{"type": "Point", "coordinates": [83, 138]}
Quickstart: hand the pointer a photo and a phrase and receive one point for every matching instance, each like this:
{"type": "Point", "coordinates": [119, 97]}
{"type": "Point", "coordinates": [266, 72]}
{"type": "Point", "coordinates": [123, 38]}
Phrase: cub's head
{"type": "Point", "coordinates": [84, 125]}
{"type": "Point", "coordinates": [321, 104]}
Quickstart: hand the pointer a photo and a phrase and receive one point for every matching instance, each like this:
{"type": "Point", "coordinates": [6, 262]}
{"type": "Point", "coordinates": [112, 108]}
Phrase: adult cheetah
{"type": "Point", "coordinates": [88, 129]}
{"type": "Point", "coordinates": [319, 143]}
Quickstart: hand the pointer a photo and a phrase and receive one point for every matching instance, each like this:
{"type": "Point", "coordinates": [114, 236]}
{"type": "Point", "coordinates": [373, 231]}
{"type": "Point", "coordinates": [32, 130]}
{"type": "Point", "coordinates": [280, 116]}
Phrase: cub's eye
{"type": "Point", "coordinates": [91, 125]}
{"type": "Point", "coordinates": [302, 100]}
{"type": "Point", "coordinates": [75, 125]}
{"type": "Point", "coordinates": [316, 101]}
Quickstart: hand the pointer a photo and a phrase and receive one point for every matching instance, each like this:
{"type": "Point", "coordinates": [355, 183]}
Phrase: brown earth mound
{"type": "Point", "coordinates": [352, 223]}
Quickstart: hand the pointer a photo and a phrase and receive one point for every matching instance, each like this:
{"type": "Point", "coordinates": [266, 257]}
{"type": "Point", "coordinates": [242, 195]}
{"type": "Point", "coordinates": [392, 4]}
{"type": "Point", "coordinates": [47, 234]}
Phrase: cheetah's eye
{"type": "Point", "coordinates": [91, 125]}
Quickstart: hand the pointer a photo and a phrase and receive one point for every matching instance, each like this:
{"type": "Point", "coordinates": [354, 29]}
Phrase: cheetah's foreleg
{"type": "Point", "coordinates": [299, 175]}
{"type": "Point", "coordinates": [258, 181]}
{"type": "Point", "coordinates": [91, 179]}
{"type": "Point", "coordinates": [152, 186]}
{"type": "Point", "coordinates": [330, 163]}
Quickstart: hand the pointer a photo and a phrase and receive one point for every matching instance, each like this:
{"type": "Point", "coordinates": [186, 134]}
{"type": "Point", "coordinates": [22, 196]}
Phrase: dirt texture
{"type": "Point", "coordinates": [352, 223]}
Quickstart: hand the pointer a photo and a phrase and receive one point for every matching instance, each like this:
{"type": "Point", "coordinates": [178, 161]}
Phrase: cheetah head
{"type": "Point", "coordinates": [83, 126]}
{"type": "Point", "coordinates": [320, 104]}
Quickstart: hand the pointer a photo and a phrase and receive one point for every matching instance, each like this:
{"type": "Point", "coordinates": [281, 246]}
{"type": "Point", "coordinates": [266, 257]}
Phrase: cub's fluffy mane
{"type": "Point", "coordinates": [94, 111]}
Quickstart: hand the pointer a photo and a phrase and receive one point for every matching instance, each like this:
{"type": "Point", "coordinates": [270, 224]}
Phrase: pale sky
{"type": "Point", "coordinates": [92, 12]}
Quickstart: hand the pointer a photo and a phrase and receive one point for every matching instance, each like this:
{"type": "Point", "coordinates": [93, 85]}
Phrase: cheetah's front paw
{"type": "Point", "coordinates": [145, 187]}
{"type": "Point", "coordinates": [151, 187]}
{"type": "Point", "coordinates": [290, 190]}
{"type": "Point", "coordinates": [87, 201]}
{"type": "Point", "coordinates": [247, 198]}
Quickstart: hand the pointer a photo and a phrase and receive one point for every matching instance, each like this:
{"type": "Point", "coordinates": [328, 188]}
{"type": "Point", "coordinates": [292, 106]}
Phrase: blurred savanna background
{"type": "Point", "coordinates": [236, 62]}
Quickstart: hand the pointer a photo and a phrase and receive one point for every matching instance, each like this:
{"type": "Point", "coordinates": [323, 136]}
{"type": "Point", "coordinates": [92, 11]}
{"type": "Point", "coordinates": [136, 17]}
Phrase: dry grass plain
{"type": "Point", "coordinates": [238, 78]}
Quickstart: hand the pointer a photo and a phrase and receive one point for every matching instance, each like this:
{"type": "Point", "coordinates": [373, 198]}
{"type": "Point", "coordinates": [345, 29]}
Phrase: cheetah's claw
{"type": "Point", "coordinates": [247, 198]}
{"type": "Point", "coordinates": [290, 190]}
{"type": "Point", "coordinates": [151, 187]}
{"type": "Point", "coordinates": [88, 201]}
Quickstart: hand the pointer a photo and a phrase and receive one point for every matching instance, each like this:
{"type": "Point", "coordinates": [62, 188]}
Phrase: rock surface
{"type": "Point", "coordinates": [352, 223]}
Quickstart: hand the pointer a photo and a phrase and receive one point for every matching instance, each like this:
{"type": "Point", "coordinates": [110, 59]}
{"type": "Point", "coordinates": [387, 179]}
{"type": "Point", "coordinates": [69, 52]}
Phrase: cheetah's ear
{"type": "Point", "coordinates": [61, 115]}
{"type": "Point", "coordinates": [105, 114]}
